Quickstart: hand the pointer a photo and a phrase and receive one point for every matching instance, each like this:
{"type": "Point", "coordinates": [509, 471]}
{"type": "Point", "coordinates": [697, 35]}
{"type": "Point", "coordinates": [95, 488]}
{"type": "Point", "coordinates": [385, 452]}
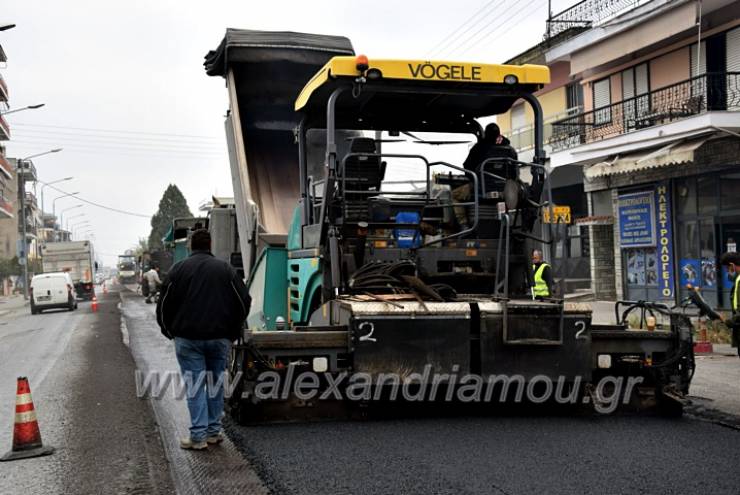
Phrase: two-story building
{"type": "Point", "coordinates": [6, 194]}
{"type": "Point", "coordinates": [650, 113]}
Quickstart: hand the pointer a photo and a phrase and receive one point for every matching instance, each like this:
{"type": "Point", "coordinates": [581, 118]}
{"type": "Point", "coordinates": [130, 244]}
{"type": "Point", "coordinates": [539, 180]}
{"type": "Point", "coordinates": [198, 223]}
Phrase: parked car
{"type": "Point", "coordinates": [52, 290]}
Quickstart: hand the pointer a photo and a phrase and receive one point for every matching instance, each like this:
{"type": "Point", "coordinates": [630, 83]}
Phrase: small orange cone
{"type": "Point", "coordinates": [95, 304]}
{"type": "Point", "coordinates": [26, 434]}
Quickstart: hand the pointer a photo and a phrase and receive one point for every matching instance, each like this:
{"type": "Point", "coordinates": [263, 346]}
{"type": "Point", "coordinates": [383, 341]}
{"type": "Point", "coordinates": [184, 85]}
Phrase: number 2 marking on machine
{"type": "Point", "coordinates": [368, 337]}
{"type": "Point", "coordinates": [581, 325]}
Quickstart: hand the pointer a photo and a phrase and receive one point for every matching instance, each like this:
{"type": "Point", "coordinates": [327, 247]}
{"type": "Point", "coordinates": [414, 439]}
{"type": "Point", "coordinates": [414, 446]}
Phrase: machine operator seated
{"type": "Point", "coordinates": [492, 145]}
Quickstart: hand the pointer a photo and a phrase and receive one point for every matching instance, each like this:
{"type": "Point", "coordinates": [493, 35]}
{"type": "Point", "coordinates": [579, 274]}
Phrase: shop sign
{"type": "Point", "coordinates": [665, 240]}
{"type": "Point", "coordinates": [637, 219]}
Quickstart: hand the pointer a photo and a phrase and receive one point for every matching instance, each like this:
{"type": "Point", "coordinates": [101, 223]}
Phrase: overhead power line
{"type": "Point", "coordinates": [440, 45]}
{"type": "Point", "coordinates": [126, 150]}
{"type": "Point", "coordinates": [509, 28]}
{"type": "Point", "coordinates": [119, 131]}
{"type": "Point", "coordinates": [112, 137]}
{"type": "Point", "coordinates": [472, 40]}
{"type": "Point", "coordinates": [64, 140]}
{"type": "Point", "coordinates": [93, 203]}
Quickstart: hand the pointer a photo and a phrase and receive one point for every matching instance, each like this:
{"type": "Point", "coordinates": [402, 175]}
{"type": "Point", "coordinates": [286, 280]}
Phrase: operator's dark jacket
{"type": "Point", "coordinates": [202, 298]}
{"type": "Point", "coordinates": [488, 149]}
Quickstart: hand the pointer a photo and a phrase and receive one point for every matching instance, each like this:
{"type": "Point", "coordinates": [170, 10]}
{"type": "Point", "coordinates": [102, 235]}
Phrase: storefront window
{"type": "Point", "coordinates": [686, 196]}
{"type": "Point", "coordinates": [730, 185]}
{"type": "Point", "coordinates": [642, 267]}
{"type": "Point", "coordinates": [707, 194]}
{"type": "Point", "coordinates": [689, 264]}
{"type": "Point", "coordinates": [708, 258]}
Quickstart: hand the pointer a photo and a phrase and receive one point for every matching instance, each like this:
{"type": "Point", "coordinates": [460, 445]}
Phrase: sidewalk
{"type": "Point", "coordinates": [220, 470]}
{"type": "Point", "coordinates": [11, 303]}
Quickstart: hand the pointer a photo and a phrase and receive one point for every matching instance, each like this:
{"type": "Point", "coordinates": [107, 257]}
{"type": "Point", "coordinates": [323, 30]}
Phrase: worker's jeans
{"type": "Point", "coordinates": [205, 395]}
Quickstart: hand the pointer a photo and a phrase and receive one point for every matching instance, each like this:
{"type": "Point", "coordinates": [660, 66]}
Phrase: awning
{"type": "Point", "coordinates": [673, 154]}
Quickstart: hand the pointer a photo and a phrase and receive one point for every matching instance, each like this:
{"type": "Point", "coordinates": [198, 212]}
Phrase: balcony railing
{"type": "Point", "coordinates": [522, 138]}
{"type": "Point", "coordinates": [587, 13]}
{"type": "Point", "coordinates": [3, 90]}
{"type": "Point", "coordinates": [708, 92]}
{"type": "Point", "coordinates": [27, 170]}
{"type": "Point", "coordinates": [4, 129]}
{"type": "Point", "coordinates": [31, 200]}
{"type": "Point", "coordinates": [7, 169]}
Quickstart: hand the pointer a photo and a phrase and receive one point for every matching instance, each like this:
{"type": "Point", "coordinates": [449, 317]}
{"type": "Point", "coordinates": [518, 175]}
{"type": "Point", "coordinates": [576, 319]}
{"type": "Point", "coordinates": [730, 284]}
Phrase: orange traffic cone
{"type": "Point", "coordinates": [95, 304]}
{"type": "Point", "coordinates": [26, 434]}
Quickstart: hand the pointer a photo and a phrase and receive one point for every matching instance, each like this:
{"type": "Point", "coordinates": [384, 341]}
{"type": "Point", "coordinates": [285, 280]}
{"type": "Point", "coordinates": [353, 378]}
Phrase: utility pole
{"type": "Point", "coordinates": [20, 173]}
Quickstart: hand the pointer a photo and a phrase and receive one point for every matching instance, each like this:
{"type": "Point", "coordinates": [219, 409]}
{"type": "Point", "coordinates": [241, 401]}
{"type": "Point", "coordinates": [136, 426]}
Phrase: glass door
{"type": "Point", "coordinates": [730, 240]}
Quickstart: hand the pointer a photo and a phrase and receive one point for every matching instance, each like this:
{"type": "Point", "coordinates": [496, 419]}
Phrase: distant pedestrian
{"type": "Point", "coordinates": [153, 283]}
{"type": "Point", "coordinates": [203, 306]}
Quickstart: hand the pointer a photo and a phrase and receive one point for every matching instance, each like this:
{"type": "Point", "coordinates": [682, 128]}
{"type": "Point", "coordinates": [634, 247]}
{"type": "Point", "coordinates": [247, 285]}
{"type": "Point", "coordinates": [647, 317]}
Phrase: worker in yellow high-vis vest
{"type": "Point", "coordinates": [541, 277]}
{"type": "Point", "coordinates": [731, 261]}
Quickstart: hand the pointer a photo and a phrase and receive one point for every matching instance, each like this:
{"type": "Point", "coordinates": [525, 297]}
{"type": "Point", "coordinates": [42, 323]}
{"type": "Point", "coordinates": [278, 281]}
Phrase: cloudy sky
{"type": "Point", "coordinates": [128, 100]}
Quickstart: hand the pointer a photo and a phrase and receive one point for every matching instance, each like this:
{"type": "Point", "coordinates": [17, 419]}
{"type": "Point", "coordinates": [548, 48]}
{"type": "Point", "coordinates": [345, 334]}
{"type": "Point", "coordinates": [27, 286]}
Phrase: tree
{"type": "Point", "coordinates": [171, 206]}
{"type": "Point", "coordinates": [10, 266]}
{"type": "Point", "coordinates": [141, 246]}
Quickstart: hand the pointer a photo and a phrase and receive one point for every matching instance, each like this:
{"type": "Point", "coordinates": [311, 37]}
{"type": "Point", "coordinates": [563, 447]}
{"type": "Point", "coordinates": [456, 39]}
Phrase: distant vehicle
{"type": "Point", "coordinates": [177, 239]}
{"type": "Point", "coordinates": [77, 259]}
{"type": "Point", "coordinates": [52, 290]}
{"type": "Point", "coordinates": [127, 267]}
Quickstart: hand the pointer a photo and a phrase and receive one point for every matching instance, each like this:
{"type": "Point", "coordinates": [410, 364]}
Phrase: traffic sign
{"type": "Point", "coordinates": [560, 214]}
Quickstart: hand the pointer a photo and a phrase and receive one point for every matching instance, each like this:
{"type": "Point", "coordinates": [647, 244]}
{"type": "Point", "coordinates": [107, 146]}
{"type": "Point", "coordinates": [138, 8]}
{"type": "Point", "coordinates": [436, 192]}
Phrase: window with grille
{"type": "Point", "coordinates": [602, 101]}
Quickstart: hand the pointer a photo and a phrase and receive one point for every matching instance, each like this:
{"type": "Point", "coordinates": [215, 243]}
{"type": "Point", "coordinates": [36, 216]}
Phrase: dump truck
{"type": "Point", "coordinates": [352, 272]}
{"type": "Point", "coordinates": [223, 228]}
{"type": "Point", "coordinates": [75, 257]}
{"type": "Point", "coordinates": [177, 239]}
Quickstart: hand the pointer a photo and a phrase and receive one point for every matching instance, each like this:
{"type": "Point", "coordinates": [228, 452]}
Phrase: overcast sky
{"type": "Point", "coordinates": [128, 100]}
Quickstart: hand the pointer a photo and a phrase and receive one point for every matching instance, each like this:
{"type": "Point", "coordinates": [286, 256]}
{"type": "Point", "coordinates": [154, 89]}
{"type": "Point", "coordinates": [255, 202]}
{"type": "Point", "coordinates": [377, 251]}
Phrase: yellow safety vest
{"type": "Point", "coordinates": [540, 286]}
{"type": "Point", "coordinates": [736, 294]}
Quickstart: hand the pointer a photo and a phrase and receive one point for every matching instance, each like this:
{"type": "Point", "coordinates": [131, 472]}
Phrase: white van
{"type": "Point", "coordinates": [52, 290]}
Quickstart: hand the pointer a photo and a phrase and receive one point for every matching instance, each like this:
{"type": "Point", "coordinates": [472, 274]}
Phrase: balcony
{"type": "Point", "coordinates": [522, 138]}
{"type": "Point", "coordinates": [587, 13]}
{"type": "Point", "coordinates": [4, 129]}
{"type": "Point", "coordinates": [3, 90]}
{"type": "Point", "coordinates": [690, 98]}
{"type": "Point", "coordinates": [6, 208]}
{"type": "Point", "coordinates": [5, 168]}
{"type": "Point", "coordinates": [26, 170]}
{"type": "Point", "coordinates": [31, 201]}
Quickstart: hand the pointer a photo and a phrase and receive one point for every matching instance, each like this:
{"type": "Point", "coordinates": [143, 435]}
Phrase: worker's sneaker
{"type": "Point", "coordinates": [216, 439]}
{"type": "Point", "coordinates": [189, 444]}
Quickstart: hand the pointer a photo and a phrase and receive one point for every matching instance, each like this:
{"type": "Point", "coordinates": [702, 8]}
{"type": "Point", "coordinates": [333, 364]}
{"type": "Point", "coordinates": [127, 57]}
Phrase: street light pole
{"type": "Point", "coordinates": [24, 242]}
{"type": "Point", "coordinates": [74, 216]}
{"type": "Point", "coordinates": [29, 107]}
{"type": "Point", "coordinates": [54, 204]}
{"type": "Point", "coordinates": [61, 214]}
{"type": "Point", "coordinates": [20, 174]}
{"type": "Point", "coordinates": [44, 184]}
{"type": "Point", "coordinates": [74, 226]}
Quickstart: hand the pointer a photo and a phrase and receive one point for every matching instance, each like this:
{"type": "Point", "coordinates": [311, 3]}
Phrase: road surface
{"type": "Point", "coordinates": [81, 378]}
{"type": "Point", "coordinates": [109, 441]}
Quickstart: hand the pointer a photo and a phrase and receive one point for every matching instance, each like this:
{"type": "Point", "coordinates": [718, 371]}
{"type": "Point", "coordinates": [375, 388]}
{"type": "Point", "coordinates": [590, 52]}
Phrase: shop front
{"type": "Point", "coordinates": [672, 223]}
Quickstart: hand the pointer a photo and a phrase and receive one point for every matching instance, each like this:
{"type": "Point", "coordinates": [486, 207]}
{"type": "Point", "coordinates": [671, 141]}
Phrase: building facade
{"type": "Point", "coordinates": [646, 103]}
